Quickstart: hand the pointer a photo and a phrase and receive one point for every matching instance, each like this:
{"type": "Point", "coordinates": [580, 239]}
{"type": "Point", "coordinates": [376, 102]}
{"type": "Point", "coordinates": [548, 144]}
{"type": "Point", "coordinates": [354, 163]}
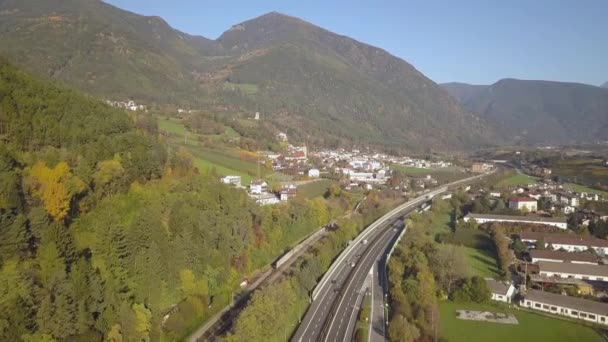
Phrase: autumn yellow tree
{"type": "Point", "coordinates": [108, 175]}
{"type": "Point", "coordinates": [55, 187]}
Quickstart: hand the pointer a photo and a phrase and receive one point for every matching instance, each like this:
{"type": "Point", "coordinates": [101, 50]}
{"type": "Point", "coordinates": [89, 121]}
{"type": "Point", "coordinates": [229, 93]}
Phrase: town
{"type": "Point", "coordinates": [353, 169]}
{"type": "Point", "coordinates": [558, 254]}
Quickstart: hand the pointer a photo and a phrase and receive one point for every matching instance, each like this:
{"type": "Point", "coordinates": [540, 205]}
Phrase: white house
{"type": "Point", "coordinates": [232, 180]}
{"type": "Point", "coordinates": [523, 203]}
{"type": "Point", "coordinates": [257, 187]}
{"type": "Point", "coordinates": [550, 221]}
{"type": "Point", "coordinates": [574, 271]}
{"type": "Point", "coordinates": [568, 199]}
{"type": "Point", "coordinates": [501, 291]}
{"type": "Point", "coordinates": [313, 173]}
{"type": "Point", "coordinates": [573, 307]}
{"type": "Point", "coordinates": [266, 199]}
{"type": "Point", "coordinates": [281, 136]}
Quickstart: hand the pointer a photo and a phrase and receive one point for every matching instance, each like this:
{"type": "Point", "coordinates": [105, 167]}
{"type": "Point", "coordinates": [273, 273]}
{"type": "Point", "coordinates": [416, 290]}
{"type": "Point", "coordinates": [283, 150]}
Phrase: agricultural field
{"type": "Point", "coordinates": [589, 171]}
{"type": "Point", "coordinates": [531, 327]}
{"type": "Point", "coordinates": [171, 126]}
{"type": "Point", "coordinates": [582, 188]}
{"type": "Point", "coordinates": [517, 179]}
{"type": "Point", "coordinates": [315, 189]}
{"type": "Point", "coordinates": [224, 160]}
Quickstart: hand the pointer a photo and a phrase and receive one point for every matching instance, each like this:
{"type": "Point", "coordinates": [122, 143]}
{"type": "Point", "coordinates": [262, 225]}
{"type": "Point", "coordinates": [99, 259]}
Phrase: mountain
{"type": "Point", "coordinates": [605, 85]}
{"type": "Point", "coordinates": [316, 85]}
{"type": "Point", "coordinates": [539, 112]}
{"type": "Point", "coordinates": [102, 50]}
{"type": "Point", "coordinates": [462, 91]}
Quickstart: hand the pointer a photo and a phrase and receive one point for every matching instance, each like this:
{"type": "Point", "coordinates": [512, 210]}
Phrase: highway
{"type": "Point", "coordinates": [333, 312]}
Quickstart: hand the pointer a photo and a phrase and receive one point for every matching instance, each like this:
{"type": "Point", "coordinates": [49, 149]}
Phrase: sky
{"type": "Point", "coordinates": [471, 41]}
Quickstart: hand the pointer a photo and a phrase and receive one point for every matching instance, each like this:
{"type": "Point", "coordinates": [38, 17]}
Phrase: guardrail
{"type": "Point", "coordinates": [374, 225]}
{"type": "Point", "coordinates": [366, 232]}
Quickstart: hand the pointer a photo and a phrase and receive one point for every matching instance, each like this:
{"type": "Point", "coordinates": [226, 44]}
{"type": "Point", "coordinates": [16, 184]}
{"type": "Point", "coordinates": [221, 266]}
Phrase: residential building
{"type": "Point", "coordinates": [480, 167]}
{"type": "Point", "coordinates": [288, 191]}
{"type": "Point", "coordinates": [548, 221]}
{"type": "Point", "coordinates": [576, 271]}
{"type": "Point", "coordinates": [266, 199]}
{"type": "Point", "coordinates": [573, 307]}
{"type": "Point", "coordinates": [313, 173]}
{"type": "Point", "coordinates": [501, 291]}
{"type": "Point", "coordinates": [523, 203]}
{"type": "Point", "coordinates": [257, 187]}
{"type": "Point", "coordinates": [568, 199]}
{"type": "Point", "coordinates": [538, 255]}
{"type": "Point", "coordinates": [232, 180]}
{"type": "Point", "coordinates": [281, 136]}
{"type": "Point", "coordinates": [567, 242]}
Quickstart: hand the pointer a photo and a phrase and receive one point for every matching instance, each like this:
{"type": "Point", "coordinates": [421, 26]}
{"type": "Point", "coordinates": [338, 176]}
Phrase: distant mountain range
{"type": "Point", "coordinates": [314, 84]}
{"type": "Point", "coordinates": [605, 85]}
{"type": "Point", "coordinates": [538, 112]}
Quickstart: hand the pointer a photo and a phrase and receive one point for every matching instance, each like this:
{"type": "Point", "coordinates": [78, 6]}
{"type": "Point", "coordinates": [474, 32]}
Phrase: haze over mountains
{"type": "Point", "coordinates": [538, 112]}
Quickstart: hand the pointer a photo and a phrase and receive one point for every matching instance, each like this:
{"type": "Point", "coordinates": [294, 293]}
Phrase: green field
{"type": "Point", "coordinates": [207, 165]}
{"type": "Point", "coordinates": [531, 327]}
{"type": "Point", "coordinates": [517, 179]}
{"type": "Point", "coordinates": [582, 188]}
{"type": "Point", "coordinates": [482, 262]}
{"type": "Point", "coordinates": [171, 126]}
{"type": "Point", "coordinates": [315, 189]}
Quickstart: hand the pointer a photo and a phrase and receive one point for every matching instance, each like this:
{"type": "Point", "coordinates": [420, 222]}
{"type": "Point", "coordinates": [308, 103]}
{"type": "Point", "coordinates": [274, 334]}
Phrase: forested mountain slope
{"type": "Point", "coordinates": [539, 112]}
{"type": "Point", "coordinates": [103, 233]}
{"type": "Point", "coordinates": [316, 85]}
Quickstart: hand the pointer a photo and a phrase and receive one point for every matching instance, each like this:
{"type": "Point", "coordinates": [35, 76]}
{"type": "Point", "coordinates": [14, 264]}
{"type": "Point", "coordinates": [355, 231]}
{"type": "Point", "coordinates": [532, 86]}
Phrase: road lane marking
{"type": "Point", "coordinates": [374, 247]}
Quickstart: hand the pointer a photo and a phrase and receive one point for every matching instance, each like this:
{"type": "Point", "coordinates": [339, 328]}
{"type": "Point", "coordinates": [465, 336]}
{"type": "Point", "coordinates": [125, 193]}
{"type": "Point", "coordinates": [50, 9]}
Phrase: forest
{"type": "Point", "coordinates": [106, 235]}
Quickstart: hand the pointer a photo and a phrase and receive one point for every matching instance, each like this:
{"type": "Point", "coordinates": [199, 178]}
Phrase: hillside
{"type": "Point", "coordinates": [103, 233]}
{"type": "Point", "coordinates": [316, 85]}
{"type": "Point", "coordinates": [539, 112]}
{"type": "Point", "coordinates": [103, 50]}
{"type": "Point", "coordinates": [463, 92]}
{"type": "Point", "coordinates": [605, 85]}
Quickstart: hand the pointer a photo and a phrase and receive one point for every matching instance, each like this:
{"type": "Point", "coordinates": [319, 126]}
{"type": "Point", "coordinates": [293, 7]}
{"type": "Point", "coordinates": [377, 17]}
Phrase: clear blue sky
{"type": "Point", "coordinates": [473, 41]}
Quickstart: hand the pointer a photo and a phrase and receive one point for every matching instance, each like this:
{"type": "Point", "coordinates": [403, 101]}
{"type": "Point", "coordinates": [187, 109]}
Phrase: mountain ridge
{"type": "Point", "coordinates": [538, 111]}
{"type": "Point", "coordinates": [316, 85]}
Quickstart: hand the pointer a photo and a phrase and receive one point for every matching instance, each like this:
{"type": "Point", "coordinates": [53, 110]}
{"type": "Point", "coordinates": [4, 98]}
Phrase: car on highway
{"type": "Point", "coordinates": [352, 264]}
{"type": "Point", "coordinates": [364, 242]}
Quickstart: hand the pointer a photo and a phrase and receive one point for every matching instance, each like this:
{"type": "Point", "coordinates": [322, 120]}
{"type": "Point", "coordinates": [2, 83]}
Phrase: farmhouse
{"type": "Point", "coordinates": [549, 221]}
{"type": "Point", "coordinates": [567, 242]}
{"type": "Point", "coordinates": [523, 203]}
{"type": "Point", "coordinates": [562, 256]}
{"type": "Point", "coordinates": [573, 307]}
{"type": "Point", "coordinates": [576, 271]}
{"type": "Point", "coordinates": [502, 292]}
